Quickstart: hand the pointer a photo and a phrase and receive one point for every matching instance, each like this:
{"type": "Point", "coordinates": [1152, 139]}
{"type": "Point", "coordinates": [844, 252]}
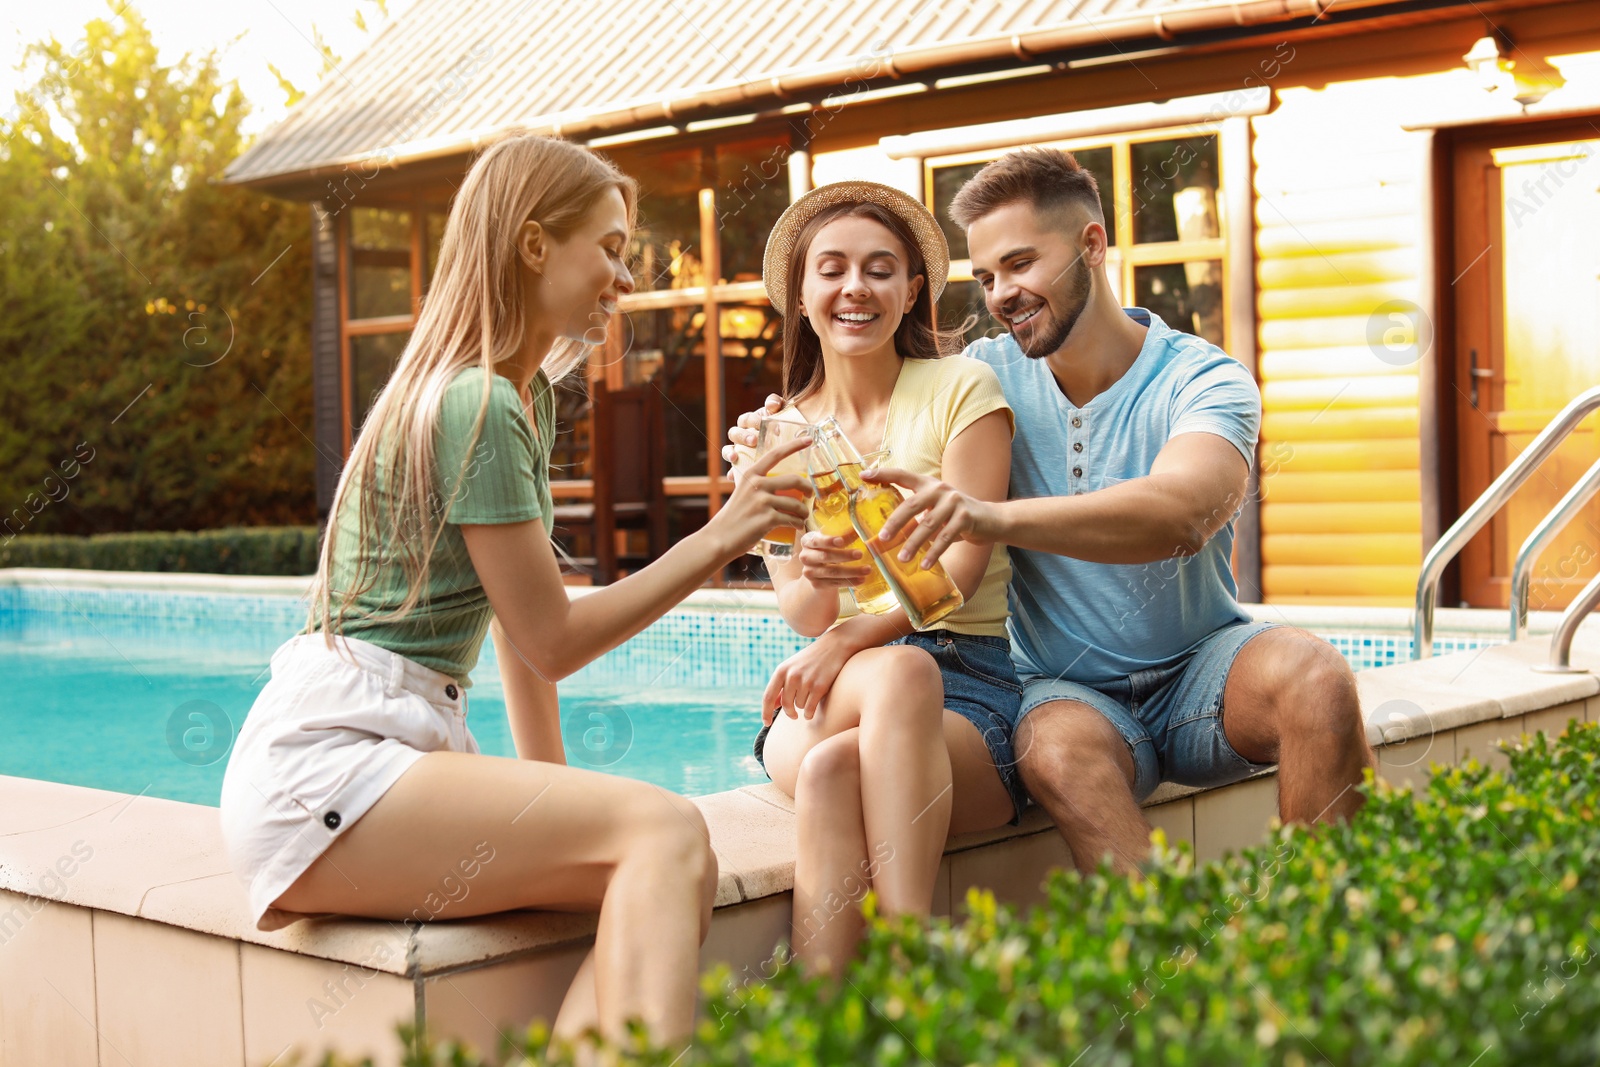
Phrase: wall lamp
{"type": "Point", "coordinates": [1497, 74]}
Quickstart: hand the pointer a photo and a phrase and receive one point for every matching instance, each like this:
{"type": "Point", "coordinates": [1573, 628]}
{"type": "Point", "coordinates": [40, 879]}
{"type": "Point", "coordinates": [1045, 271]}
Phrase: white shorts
{"type": "Point", "coordinates": [330, 733]}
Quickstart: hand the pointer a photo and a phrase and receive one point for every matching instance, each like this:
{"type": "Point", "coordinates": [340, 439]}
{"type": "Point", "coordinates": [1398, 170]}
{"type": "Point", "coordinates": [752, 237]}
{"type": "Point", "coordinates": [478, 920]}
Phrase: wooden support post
{"type": "Point", "coordinates": [1239, 290]}
{"type": "Point", "coordinates": [711, 257]}
{"type": "Point", "coordinates": [711, 248]}
{"type": "Point", "coordinates": [602, 528]}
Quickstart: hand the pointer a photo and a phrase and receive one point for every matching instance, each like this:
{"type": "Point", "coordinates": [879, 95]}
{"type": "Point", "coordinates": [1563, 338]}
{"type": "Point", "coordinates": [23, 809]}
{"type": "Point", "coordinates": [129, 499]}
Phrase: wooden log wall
{"type": "Point", "coordinates": [1338, 236]}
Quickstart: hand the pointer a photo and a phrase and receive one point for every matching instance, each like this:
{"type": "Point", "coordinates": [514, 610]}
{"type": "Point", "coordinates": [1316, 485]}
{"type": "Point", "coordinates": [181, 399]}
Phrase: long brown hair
{"type": "Point", "coordinates": [916, 337]}
{"type": "Point", "coordinates": [473, 316]}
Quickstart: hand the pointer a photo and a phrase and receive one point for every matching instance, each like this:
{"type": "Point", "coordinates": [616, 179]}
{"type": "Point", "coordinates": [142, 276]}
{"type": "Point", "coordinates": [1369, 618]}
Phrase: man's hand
{"type": "Point", "coordinates": [947, 515]}
{"type": "Point", "coordinates": [742, 435]}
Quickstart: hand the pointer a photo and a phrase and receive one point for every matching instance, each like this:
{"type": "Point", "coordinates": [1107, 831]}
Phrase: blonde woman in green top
{"type": "Point", "coordinates": [355, 786]}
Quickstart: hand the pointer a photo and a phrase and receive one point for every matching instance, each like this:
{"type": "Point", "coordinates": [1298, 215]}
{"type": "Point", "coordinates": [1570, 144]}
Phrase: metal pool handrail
{"type": "Point", "coordinates": [1549, 526]}
{"type": "Point", "coordinates": [1484, 508]}
{"type": "Point", "coordinates": [1561, 640]}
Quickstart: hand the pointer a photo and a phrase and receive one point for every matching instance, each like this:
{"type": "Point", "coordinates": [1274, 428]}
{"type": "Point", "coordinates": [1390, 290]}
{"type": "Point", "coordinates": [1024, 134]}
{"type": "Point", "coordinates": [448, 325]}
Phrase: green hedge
{"type": "Point", "coordinates": [237, 550]}
{"type": "Point", "coordinates": [1458, 927]}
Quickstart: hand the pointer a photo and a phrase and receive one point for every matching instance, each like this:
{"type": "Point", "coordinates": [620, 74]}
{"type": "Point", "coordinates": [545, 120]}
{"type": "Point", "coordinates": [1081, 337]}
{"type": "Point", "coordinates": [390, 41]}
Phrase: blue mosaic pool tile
{"type": "Point", "coordinates": [686, 648]}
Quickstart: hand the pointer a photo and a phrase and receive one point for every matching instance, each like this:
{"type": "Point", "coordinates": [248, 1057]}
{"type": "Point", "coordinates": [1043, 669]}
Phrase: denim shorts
{"type": "Point", "coordinates": [1170, 717]}
{"type": "Point", "coordinates": [981, 686]}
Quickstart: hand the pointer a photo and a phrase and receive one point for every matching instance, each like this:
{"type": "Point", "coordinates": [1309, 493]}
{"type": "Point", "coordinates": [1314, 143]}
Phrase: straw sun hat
{"type": "Point", "coordinates": [930, 239]}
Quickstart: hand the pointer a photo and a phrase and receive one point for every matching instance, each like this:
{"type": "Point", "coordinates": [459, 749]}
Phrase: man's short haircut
{"type": "Point", "coordinates": [1047, 178]}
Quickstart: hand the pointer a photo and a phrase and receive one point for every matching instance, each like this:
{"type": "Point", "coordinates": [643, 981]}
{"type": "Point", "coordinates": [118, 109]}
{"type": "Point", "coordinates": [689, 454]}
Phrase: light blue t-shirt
{"type": "Point", "coordinates": [1095, 623]}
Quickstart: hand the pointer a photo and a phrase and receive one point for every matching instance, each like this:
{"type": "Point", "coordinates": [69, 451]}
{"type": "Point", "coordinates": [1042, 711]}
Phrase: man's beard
{"type": "Point", "coordinates": [1075, 299]}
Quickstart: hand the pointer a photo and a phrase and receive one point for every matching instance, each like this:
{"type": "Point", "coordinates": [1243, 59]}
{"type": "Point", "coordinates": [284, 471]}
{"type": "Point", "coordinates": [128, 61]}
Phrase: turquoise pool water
{"type": "Point", "coordinates": [143, 692]}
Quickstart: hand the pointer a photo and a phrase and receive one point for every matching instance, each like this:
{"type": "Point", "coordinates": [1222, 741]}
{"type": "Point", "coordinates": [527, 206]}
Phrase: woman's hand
{"type": "Point", "coordinates": [801, 682]}
{"type": "Point", "coordinates": [827, 564]}
{"type": "Point", "coordinates": [742, 436]}
{"type": "Point", "coordinates": [761, 502]}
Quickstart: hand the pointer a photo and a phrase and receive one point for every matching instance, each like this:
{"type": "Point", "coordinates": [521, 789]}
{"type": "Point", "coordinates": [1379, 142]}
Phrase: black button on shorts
{"type": "Point", "coordinates": [450, 691]}
{"type": "Point", "coordinates": [332, 820]}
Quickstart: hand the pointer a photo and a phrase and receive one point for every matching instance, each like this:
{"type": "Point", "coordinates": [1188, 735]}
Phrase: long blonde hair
{"type": "Point", "coordinates": [473, 316]}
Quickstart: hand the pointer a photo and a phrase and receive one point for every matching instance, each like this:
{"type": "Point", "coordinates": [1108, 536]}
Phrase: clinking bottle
{"type": "Point", "coordinates": [830, 510]}
{"type": "Point", "coordinates": [926, 595]}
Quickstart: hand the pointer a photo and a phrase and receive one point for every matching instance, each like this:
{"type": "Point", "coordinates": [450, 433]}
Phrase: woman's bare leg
{"type": "Point", "coordinates": [826, 764]}
{"type": "Point", "coordinates": [905, 780]}
{"type": "Point", "coordinates": [981, 799]}
{"type": "Point", "coordinates": [557, 838]}
{"type": "Point", "coordinates": [580, 1008]}
{"type": "Point", "coordinates": [832, 872]}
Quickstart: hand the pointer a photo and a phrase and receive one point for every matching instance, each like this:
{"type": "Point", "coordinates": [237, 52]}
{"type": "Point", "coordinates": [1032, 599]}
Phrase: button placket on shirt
{"type": "Point", "coordinates": [1075, 436]}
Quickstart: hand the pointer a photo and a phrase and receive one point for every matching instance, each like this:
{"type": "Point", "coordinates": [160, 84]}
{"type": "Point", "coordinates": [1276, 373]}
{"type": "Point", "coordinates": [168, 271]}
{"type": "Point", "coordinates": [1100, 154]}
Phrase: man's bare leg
{"type": "Point", "coordinates": [1291, 699]}
{"type": "Point", "coordinates": [1078, 768]}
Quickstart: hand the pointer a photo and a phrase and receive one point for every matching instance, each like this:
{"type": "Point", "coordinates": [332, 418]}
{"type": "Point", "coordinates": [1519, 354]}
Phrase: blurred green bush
{"type": "Point", "coordinates": [157, 325]}
{"type": "Point", "coordinates": [288, 550]}
{"type": "Point", "coordinates": [1457, 926]}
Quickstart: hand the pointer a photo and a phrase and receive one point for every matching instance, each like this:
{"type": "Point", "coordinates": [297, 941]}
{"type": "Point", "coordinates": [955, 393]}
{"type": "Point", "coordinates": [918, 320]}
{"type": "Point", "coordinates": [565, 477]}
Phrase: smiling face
{"type": "Point", "coordinates": [581, 277]}
{"type": "Point", "coordinates": [857, 286]}
{"type": "Point", "coordinates": [1036, 279]}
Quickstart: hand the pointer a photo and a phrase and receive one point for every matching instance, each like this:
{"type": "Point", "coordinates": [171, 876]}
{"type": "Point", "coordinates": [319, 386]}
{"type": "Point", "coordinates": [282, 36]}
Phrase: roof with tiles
{"type": "Point", "coordinates": [449, 75]}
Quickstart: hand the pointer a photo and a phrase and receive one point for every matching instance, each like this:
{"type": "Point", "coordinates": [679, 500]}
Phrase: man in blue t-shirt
{"type": "Point", "coordinates": [1131, 460]}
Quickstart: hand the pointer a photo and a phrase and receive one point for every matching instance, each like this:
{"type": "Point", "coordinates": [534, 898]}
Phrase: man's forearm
{"type": "Point", "coordinates": [1140, 521]}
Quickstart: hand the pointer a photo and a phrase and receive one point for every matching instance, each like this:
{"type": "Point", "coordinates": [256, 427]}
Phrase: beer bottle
{"type": "Point", "coordinates": [830, 511]}
{"type": "Point", "coordinates": [926, 595]}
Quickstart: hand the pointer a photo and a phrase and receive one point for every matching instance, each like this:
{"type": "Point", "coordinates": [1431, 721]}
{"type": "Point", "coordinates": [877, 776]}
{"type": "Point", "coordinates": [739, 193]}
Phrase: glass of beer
{"type": "Point", "coordinates": [743, 456]}
{"type": "Point", "coordinates": [778, 543]}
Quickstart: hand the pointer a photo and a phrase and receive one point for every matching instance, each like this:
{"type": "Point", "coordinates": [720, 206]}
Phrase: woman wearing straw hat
{"type": "Point", "coordinates": [888, 739]}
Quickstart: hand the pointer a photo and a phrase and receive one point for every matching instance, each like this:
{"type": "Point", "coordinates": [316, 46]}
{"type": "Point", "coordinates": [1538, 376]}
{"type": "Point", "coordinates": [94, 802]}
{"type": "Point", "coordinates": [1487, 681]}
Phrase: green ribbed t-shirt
{"type": "Point", "coordinates": [507, 480]}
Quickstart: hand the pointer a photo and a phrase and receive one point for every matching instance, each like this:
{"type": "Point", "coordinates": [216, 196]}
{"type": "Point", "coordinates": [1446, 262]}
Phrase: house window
{"type": "Point", "coordinates": [380, 263]}
{"type": "Point", "coordinates": [666, 252]}
{"type": "Point", "coordinates": [1164, 228]}
{"type": "Point", "coordinates": [962, 312]}
{"type": "Point", "coordinates": [752, 191]}
{"type": "Point", "coordinates": [433, 238]}
{"type": "Point", "coordinates": [372, 360]}
{"type": "Point", "coordinates": [391, 258]}
{"type": "Point", "coordinates": [752, 356]}
{"type": "Point", "coordinates": [381, 286]}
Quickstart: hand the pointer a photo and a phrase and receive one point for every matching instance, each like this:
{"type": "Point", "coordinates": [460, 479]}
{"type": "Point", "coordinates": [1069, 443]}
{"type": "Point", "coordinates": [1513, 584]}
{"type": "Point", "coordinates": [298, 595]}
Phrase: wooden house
{"type": "Point", "coordinates": [1388, 209]}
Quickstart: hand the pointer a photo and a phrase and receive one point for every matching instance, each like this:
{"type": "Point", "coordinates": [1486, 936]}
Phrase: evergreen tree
{"type": "Point", "coordinates": [151, 317]}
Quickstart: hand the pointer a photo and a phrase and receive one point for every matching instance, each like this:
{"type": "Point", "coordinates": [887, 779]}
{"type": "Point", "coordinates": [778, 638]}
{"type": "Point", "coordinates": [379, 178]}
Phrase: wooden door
{"type": "Point", "coordinates": [1527, 314]}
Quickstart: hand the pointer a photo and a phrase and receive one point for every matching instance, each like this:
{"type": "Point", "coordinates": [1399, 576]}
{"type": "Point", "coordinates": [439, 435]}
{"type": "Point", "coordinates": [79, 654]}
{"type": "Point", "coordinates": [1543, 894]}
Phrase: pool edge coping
{"type": "Point", "coordinates": [196, 890]}
{"type": "Point", "coordinates": [1335, 618]}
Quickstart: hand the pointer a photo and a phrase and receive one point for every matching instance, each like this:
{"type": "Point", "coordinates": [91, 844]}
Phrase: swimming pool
{"type": "Point", "coordinates": [143, 691]}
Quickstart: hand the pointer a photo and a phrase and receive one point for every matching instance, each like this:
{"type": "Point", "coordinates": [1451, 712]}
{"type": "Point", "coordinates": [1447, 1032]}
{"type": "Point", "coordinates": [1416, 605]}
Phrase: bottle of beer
{"type": "Point", "coordinates": [926, 595]}
{"type": "Point", "coordinates": [830, 511]}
